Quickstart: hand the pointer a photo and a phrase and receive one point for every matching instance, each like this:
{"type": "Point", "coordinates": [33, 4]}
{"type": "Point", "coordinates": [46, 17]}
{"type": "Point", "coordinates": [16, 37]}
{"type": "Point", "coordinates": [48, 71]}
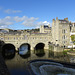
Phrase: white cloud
{"type": "Point", "coordinates": [5, 21]}
{"type": "Point", "coordinates": [20, 19]}
{"type": "Point", "coordinates": [30, 21]}
{"type": "Point", "coordinates": [46, 23]}
{"type": "Point", "coordinates": [26, 21]}
{"type": "Point", "coordinates": [9, 11]}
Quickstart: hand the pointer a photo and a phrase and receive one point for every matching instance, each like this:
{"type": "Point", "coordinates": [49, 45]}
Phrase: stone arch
{"type": "Point", "coordinates": [24, 49]}
{"type": "Point", "coordinates": [26, 44]}
{"type": "Point", "coordinates": [39, 46]}
{"type": "Point", "coordinates": [8, 46]}
{"type": "Point", "coordinates": [39, 49]}
{"type": "Point", "coordinates": [8, 50]}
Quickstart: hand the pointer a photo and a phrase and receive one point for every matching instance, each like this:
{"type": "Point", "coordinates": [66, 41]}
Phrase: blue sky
{"type": "Point", "coordinates": [28, 14]}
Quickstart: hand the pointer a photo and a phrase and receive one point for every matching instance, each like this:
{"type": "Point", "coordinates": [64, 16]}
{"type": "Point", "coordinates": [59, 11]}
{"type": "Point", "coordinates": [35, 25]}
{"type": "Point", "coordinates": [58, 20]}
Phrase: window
{"type": "Point", "coordinates": [64, 36]}
{"type": "Point", "coordinates": [63, 42]}
{"type": "Point", "coordinates": [64, 31]}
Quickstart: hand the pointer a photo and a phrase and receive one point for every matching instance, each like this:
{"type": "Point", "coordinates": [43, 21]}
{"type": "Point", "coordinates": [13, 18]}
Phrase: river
{"type": "Point", "coordinates": [18, 64]}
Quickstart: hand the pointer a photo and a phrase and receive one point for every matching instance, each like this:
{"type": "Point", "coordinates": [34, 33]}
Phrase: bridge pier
{"type": "Point", "coordinates": [32, 48]}
{"type": "Point", "coordinates": [46, 47]}
{"type": "Point", "coordinates": [16, 48]}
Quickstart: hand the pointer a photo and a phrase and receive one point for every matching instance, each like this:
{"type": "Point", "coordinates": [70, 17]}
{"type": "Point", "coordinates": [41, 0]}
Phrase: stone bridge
{"type": "Point", "coordinates": [32, 40]}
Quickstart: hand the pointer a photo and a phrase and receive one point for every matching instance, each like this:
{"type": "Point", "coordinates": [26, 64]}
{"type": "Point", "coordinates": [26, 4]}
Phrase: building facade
{"type": "Point", "coordinates": [62, 30]}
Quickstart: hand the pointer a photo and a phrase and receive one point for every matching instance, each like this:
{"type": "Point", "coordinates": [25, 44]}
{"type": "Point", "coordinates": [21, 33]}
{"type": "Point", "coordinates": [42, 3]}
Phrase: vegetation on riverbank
{"type": "Point", "coordinates": [73, 39]}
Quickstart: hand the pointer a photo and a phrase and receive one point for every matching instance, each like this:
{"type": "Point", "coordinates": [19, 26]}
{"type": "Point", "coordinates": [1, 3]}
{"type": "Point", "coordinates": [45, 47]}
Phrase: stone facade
{"type": "Point", "coordinates": [61, 30]}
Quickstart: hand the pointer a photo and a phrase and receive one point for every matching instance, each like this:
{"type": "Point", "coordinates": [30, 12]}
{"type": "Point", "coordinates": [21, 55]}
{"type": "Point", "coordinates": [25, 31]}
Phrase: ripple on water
{"type": "Point", "coordinates": [36, 65]}
{"type": "Point", "coordinates": [56, 70]}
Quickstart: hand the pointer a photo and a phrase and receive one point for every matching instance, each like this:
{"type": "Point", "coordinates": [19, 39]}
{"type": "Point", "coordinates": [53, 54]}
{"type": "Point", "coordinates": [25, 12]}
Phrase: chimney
{"type": "Point", "coordinates": [53, 19]}
{"type": "Point", "coordinates": [56, 18]}
{"type": "Point", "coordinates": [66, 19]}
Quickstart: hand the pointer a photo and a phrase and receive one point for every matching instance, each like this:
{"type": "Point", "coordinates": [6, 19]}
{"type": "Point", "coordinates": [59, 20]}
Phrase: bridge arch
{"type": "Point", "coordinates": [39, 46]}
{"type": "Point", "coordinates": [25, 44]}
{"type": "Point", "coordinates": [8, 46]}
{"type": "Point", "coordinates": [39, 49]}
{"type": "Point", "coordinates": [24, 49]}
{"type": "Point", "coordinates": [8, 50]}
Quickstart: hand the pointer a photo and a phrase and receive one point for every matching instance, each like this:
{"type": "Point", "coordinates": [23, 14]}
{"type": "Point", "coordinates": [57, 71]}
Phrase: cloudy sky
{"type": "Point", "coordinates": [28, 14]}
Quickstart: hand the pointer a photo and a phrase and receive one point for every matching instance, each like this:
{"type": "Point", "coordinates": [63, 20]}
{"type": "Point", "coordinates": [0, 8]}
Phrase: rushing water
{"type": "Point", "coordinates": [19, 64]}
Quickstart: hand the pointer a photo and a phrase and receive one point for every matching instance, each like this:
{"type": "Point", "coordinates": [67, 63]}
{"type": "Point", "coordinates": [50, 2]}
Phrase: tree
{"type": "Point", "coordinates": [73, 39]}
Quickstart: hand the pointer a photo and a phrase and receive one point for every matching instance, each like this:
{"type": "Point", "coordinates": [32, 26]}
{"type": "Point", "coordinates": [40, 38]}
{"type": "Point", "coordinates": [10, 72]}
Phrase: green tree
{"type": "Point", "coordinates": [73, 39]}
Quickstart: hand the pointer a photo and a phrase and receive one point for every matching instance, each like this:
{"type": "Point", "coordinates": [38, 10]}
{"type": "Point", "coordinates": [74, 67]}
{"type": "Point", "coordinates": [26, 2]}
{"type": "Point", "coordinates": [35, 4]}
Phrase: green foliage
{"type": "Point", "coordinates": [65, 52]}
{"type": "Point", "coordinates": [71, 49]}
{"type": "Point", "coordinates": [73, 38]}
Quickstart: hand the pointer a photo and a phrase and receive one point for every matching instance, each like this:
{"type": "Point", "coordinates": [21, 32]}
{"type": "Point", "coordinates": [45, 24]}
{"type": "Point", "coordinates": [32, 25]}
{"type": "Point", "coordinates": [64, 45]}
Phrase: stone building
{"type": "Point", "coordinates": [61, 32]}
{"type": "Point", "coordinates": [72, 28]}
{"type": "Point", "coordinates": [45, 29]}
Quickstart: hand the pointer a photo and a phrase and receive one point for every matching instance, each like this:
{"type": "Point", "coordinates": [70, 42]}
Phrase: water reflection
{"type": "Point", "coordinates": [39, 52]}
{"type": "Point", "coordinates": [23, 49]}
{"type": "Point", "coordinates": [51, 53]}
{"type": "Point", "coordinates": [28, 54]}
{"type": "Point", "coordinates": [8, 54]}
{"type": "Point", "coordinates": [55, 51]}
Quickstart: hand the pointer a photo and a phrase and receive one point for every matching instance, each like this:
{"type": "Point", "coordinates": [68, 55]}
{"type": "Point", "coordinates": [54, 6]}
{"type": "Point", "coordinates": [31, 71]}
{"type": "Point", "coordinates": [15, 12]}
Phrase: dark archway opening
{"type": "Point", "coordinates": [39, 49]}
{"type": "Point", "coordinates": [39, 46]}
{"type": "Point", "coordinates": [24, 50]}
{"type": "Point", "coordinates": [8, 51]}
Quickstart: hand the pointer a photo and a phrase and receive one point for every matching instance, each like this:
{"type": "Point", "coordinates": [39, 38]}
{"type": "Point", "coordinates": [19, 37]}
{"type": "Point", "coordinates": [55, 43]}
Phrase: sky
{"type": "Point", "coordinates": [30, 14]}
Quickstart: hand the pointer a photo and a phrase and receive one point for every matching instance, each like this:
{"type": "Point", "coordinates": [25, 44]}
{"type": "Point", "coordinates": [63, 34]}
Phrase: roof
{"type": "Point", "coordinates": [63, 20]}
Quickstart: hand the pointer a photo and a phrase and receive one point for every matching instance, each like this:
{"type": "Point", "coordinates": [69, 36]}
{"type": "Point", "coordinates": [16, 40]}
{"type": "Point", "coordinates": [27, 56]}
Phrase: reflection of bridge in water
{"type": "Point", "coordinates": [32, 54]}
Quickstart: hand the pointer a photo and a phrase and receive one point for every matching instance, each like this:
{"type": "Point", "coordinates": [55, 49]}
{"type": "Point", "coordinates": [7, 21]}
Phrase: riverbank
{"type": "Point", "coordinates": [71, 53]}
{"type": "Point", "coordinates": [3, 67]}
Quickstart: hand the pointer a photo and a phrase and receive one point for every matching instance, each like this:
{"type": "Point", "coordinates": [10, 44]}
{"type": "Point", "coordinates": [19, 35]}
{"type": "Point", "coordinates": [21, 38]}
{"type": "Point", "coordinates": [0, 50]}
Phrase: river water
{"type": "Point", "coordinates": [19, 64]}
